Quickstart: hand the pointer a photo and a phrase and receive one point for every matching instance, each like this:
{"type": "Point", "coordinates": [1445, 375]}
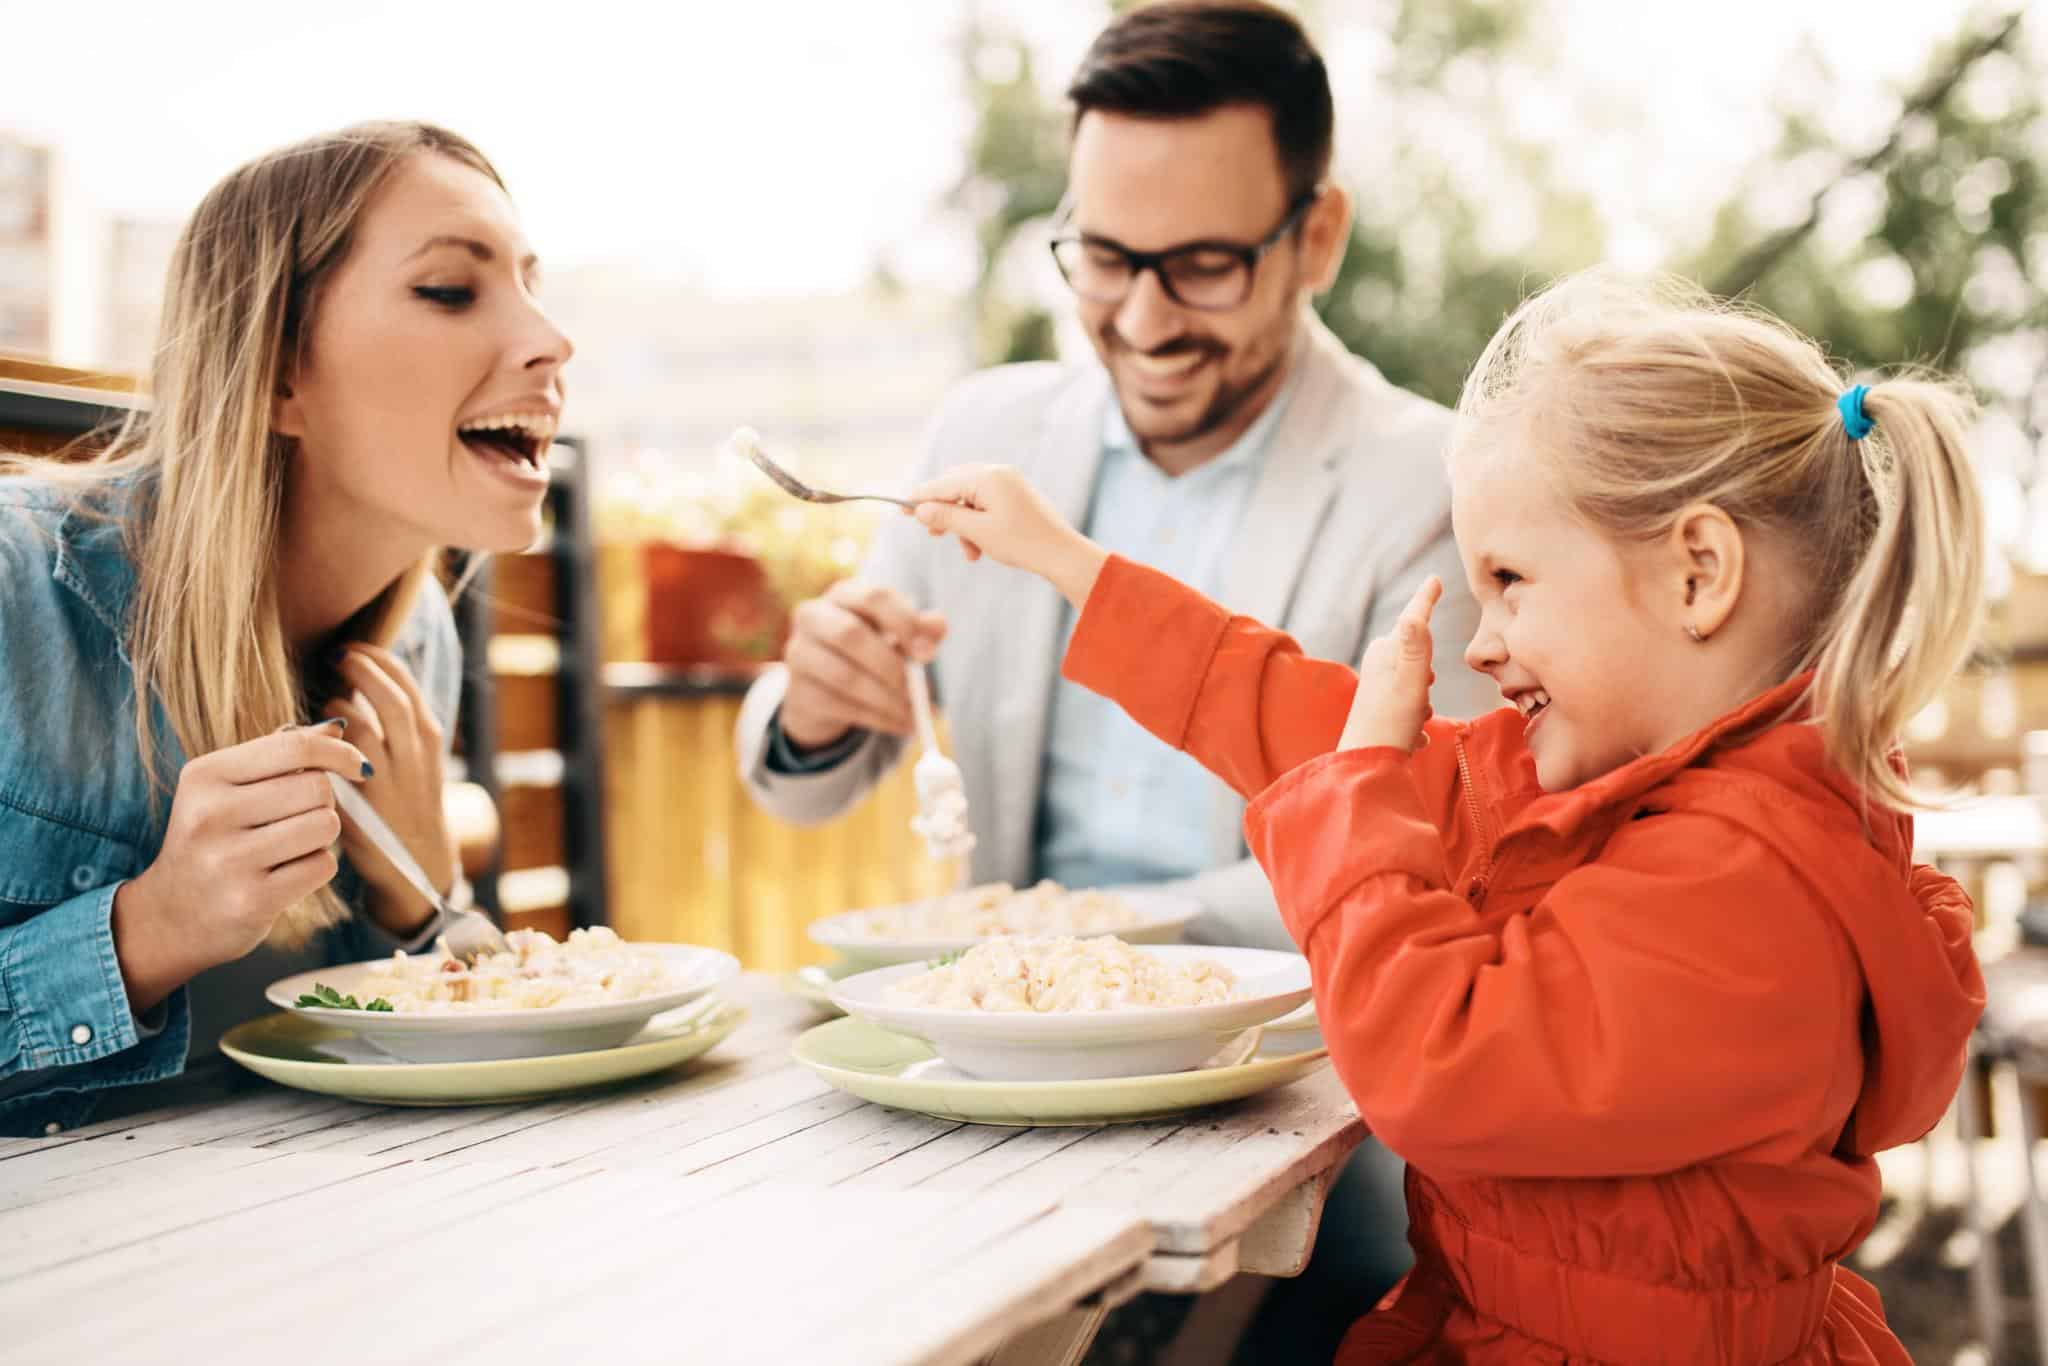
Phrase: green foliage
{"type": "Point", "coordinates": [1928, 246]}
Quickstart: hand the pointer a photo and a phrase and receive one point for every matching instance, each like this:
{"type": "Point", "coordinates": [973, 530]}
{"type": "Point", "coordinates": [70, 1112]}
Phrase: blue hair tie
{"type": "Point", "coordinates": [1855, 421]}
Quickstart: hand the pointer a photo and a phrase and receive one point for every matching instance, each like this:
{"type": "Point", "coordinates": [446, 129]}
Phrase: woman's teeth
{"type": "Point", "coordinates": [1529, 703]}
{"type": "Point", "coordinates": [524, 437]}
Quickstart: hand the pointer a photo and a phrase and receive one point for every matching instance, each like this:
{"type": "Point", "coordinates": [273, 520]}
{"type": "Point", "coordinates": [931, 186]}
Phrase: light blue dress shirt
{"type": "Point", "coordinates": [1118, 806]}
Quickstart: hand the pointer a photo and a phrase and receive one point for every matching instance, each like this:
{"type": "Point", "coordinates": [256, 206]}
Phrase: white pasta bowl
{"type": "Point", "coordinates": [1162, 918]}
{"type": "Point", "coordinates": [478, 1034]}
{"type": "Point", "coordinates": [1129, 1041]}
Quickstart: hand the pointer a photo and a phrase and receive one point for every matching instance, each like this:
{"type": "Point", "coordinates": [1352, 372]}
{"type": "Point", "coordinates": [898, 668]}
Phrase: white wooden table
{"type": "Point", "coordinates": [739, 1210]}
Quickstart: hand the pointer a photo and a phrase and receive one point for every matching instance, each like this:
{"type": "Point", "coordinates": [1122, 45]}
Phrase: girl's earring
{"type": "Point", "coordinates": [1694, 632]}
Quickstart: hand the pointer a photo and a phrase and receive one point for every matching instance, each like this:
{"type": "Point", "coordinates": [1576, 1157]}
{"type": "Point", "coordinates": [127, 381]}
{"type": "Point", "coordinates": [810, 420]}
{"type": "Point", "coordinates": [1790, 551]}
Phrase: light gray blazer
{"type": "Point", "coordinates": [1350, 512]}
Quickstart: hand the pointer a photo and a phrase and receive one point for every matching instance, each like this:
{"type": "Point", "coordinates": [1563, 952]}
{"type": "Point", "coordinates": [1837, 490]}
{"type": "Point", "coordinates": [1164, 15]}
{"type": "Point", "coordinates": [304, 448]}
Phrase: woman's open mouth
{"type": "Point", "coordinates": [520, 440]}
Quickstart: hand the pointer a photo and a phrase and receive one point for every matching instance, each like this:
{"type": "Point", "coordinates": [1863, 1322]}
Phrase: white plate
{"type": "Point", "coordinates": [482, 1035]}
{"type": "Point", "coordinates": [1162, 917]}
{"type": "Point", "coordinates": [1010, 1045]}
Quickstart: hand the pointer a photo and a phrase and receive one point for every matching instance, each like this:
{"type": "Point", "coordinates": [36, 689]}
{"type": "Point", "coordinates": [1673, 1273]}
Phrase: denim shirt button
{"type": "Point", "coordinates": [83, 877]}
{"type": "Point", "coordinates": [81, 1034]}
{"type": "Point", "coordinates": [52, 1129]}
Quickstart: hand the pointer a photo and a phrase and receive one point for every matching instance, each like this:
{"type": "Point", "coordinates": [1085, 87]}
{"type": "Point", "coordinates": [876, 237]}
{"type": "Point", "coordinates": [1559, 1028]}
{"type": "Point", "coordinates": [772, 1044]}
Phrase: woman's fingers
{"type": "Point", "coordinates": [250, 806]}
{"type": "Point", "coordinates": [288, 751]}
{"type": "Point", "coordinates": [397, 718]}
{"type": "Point", "coordinates": [291, 838]}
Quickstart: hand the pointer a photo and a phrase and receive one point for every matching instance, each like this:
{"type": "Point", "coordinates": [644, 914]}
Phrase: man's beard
{"type": "Point", "coordinates": [1224, 406]}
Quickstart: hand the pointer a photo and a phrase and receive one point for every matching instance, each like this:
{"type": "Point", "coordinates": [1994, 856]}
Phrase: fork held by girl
{"type": "Point", "coordinates": [1636, 974]}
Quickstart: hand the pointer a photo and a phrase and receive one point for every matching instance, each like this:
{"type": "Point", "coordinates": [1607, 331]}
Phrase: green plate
{"type": "Point", "coordinates": [814, 983]}
{"type": "Point", "coordinates": [894, 1070]}
{"type": "Point", "coordinates": [316, 1057]}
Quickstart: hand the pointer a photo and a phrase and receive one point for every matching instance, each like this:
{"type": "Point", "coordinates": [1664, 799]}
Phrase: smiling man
{"type": "Point", "coordinates": [1220, 433]}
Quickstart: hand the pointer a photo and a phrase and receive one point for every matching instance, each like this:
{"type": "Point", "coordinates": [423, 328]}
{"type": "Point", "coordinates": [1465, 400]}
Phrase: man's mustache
{"type": "Point", "coordinates": [1179, 346]}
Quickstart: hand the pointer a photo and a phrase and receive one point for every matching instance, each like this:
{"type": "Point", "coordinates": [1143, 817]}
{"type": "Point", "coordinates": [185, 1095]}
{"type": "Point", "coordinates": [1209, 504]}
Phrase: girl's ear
{"type": "Point", "coordinates": [1708, 564]}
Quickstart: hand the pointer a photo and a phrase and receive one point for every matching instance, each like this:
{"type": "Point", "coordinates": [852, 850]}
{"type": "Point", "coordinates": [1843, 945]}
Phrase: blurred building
{"type": "Point", "coordinates": [664, 371]}
{"type": "Point", "coordinates": [28, 265]}
{"type": "Point", "coordinates": [138, 254]}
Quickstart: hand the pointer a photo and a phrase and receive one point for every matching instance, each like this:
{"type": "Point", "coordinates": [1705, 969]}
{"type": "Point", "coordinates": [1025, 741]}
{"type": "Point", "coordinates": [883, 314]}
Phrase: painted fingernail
{"type": "Point", "coordinates": [340, 723]}
{"type": "Point", "coordinates": [368, 772]}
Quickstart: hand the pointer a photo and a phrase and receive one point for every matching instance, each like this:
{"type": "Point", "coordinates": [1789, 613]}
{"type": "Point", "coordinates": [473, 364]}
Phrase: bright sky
{"type": "Point", "coordinates": [781, 145]}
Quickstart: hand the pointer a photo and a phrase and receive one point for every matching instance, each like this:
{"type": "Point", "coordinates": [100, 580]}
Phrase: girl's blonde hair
{"type": "Point", "coordinates": [205, 636]}
{"type": "Point", "coordinates": [1644, 397]}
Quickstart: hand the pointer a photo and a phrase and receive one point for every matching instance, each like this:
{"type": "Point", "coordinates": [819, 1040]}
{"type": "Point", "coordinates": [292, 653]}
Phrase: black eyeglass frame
{"type": "Point", "coordinates": [1138, 262]}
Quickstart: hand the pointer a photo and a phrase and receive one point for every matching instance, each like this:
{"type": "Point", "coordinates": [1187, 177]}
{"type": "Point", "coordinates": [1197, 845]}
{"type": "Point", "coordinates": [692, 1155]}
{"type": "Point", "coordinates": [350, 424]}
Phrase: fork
{"type": "Point", "coordinates": [747, 442]}
{"type": "Point", "coordinates": [480, 936]}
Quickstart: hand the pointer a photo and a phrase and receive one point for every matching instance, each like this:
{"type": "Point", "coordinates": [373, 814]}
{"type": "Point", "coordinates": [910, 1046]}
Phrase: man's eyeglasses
{"type": "Point", "coordinates": [1207, 275]}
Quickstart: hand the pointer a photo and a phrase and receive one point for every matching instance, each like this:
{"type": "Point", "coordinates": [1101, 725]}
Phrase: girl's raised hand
{"type": "Point", "coordinates": [1393, 680]}
{"type": "Point", "coordinates": [994, 511]}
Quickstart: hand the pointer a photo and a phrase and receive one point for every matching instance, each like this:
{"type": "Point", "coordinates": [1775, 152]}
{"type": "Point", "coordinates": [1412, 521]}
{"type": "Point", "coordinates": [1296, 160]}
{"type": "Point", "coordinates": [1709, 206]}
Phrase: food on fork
{"type": "Point", "coordinates": [998, 908]}
{"type": "Point", "coordinates": [591, 967]}
{"type": "Point", "coordinates": [1009, 973]}
{"type": "Point", "coordinates": [941, 820]}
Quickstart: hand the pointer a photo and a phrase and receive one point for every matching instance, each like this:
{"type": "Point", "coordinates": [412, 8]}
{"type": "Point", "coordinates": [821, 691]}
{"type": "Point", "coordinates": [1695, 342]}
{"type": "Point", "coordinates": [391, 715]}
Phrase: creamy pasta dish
{"type": "Point", "coordinates": [1061, 974]}
{"type": "Point", "coordinates": [998, 908]}
{"type": "Point", "coordinates": [590, 967]}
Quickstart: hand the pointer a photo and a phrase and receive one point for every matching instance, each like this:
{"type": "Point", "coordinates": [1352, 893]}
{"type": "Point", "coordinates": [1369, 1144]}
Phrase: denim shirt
{"type": "Point", "coordinates": [77, 816]}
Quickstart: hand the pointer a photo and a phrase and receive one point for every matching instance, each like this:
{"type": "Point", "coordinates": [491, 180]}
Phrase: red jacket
{"type": "Point", "coordinates": [1637, 1041]}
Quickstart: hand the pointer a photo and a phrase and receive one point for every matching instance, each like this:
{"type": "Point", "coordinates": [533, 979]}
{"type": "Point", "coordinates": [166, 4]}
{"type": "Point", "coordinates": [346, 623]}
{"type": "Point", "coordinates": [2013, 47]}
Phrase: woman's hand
{"type": "Point", "coordinates": [1392, 702]}
{"type": "Point", "coordinates": [248, 838]}
{"type": "Point", "coordinates": [995, 512]}
{"type": "Point", "coordinates": [390, 720]}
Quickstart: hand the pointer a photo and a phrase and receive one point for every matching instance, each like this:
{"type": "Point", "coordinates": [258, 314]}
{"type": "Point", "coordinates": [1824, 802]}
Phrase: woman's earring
{"type": "Point", "coordinates": [1694, 632]}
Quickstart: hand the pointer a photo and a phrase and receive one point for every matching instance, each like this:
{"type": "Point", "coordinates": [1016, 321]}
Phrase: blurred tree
{"type": "Point", "coordinates": [1927, 243]}
{"type": "Point", "coordinates": [1929, 246]}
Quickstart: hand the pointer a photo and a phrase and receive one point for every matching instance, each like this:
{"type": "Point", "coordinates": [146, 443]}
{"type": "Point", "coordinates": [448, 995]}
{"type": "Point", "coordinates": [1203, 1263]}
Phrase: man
{"type": "Point", "coordinates": [1225, 437]}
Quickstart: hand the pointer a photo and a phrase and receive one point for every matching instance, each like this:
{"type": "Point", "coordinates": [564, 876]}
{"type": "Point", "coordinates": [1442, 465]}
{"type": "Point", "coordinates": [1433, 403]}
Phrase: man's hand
{"type": "Point", "coordinates": [1393, 680]}
{"type": "Point", "coordinates": [845, 660]}
{"type": "Point", "coordinates": [995, 512]}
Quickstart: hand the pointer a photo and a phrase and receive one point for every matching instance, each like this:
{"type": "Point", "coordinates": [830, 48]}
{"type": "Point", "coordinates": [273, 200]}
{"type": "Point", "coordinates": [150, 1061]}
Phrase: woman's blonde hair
{"type": "Point", "coordinates": [1644, 397]}
{"type": "Point", "coordinates": [205, 635]}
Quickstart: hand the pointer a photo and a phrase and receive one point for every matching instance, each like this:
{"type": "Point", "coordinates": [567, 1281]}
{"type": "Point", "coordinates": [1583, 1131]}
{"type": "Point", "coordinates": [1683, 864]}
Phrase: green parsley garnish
{"type": "Point", "coordinates": [327, 996]}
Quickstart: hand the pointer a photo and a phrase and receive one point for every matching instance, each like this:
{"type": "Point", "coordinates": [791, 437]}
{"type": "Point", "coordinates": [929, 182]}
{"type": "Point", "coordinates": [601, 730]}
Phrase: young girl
{"type": "Point", "coordinates": [353, 373]}
{"type": "Point", "coordinates": [1637, 974]}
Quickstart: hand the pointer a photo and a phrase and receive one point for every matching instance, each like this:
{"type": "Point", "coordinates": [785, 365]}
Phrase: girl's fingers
{"type": "Point", "coordinates": [957, 485]}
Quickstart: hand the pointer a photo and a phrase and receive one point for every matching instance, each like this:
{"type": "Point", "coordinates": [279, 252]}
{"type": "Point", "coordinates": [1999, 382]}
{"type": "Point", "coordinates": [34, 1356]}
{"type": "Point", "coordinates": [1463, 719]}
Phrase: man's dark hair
{"type": "Point", "coordinates": [1183, 58]}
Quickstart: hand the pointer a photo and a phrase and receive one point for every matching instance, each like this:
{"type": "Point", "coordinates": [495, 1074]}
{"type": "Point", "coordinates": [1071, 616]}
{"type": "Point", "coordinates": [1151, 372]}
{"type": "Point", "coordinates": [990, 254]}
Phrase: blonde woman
{"type": "Point", "coordinates": [353, 372]}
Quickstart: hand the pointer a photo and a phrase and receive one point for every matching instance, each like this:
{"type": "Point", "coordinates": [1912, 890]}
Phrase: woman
{"type": "Point", "coordinates": [353, 372]}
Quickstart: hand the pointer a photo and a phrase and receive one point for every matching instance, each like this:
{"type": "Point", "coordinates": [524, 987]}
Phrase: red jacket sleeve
{"type": "Point", "coordinates": [1239, 696]}
{"type": "Point", "coordinates": [1652, 1010]}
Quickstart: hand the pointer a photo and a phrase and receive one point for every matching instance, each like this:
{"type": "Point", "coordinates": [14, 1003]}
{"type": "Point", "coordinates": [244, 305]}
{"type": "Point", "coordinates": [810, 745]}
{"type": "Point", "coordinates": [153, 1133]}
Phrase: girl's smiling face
{"type": "Point", "coordinates": [1562, 629]}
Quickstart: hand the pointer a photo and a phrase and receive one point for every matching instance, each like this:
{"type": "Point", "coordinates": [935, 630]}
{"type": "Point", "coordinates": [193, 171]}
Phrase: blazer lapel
{"type": "Point", "coordinates": [1298, 477]}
